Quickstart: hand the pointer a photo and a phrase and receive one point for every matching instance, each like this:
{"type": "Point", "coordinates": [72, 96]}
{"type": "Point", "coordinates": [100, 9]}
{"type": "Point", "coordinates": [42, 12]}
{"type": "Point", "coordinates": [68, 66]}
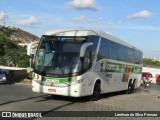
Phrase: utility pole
{"type": "Point", "coordinates": [4, 18]}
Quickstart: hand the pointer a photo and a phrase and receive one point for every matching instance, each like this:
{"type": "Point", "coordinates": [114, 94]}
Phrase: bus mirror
{"type": "Point", "coordinates": [31, 48]}
{"type": "Point", "coordinates": [84, 47]}
{"type": "Point", "coordinates": [32, 56]}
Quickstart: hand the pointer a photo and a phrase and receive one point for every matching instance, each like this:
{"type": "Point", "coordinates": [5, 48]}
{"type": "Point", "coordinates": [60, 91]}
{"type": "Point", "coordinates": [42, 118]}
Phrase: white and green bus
{"type": "Point", "coordinates": [85, 62]}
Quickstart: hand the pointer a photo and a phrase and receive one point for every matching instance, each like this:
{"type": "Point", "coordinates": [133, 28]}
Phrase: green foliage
{"type": "Point", "coordinates": [11, 54]}
{"type": "Point", "coordinates": [151, 62]}
{"type": "Point", "coordinates": [2, 45]}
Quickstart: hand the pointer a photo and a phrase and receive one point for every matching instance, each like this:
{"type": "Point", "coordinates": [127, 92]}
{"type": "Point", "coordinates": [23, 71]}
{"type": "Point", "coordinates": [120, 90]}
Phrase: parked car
{"type": "Point", "coordinates": [146, 75]}
{"type": "Point", "coordinates": [2, 77]}
{"type": "Point", "coordinates": [158, 79]}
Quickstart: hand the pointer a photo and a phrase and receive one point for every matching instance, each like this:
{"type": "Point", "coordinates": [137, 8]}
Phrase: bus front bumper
{"type": "Point", "coordinates": [73, 90]}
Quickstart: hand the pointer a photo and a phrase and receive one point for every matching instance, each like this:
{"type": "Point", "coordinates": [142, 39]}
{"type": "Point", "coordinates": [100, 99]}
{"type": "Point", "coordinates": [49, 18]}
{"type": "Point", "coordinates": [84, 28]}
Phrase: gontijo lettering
{"type": "Point", "coordinates": [52, 80]}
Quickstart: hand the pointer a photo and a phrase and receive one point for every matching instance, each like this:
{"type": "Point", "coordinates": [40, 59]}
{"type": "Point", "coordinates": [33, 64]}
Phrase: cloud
{"type": "Point", "coordinates": [86, 19]}
{"type": "Point", "coordinates": [80, 18]}
{"type": "Point", "coordinates": [30, 21]}
{"type": "Point", "coordinates": [83, 4]}
{"type": "Point", "coordinates": [142, 14]}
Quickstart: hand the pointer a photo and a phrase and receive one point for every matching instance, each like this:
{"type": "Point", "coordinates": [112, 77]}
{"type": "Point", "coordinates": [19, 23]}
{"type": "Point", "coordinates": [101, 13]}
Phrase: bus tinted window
{"type": "Point", "coordinates": [112, 50]}
{"type": "Point", "coordinates": [104, 49]}
{"type": "Point", "coordinates": [90, 52]}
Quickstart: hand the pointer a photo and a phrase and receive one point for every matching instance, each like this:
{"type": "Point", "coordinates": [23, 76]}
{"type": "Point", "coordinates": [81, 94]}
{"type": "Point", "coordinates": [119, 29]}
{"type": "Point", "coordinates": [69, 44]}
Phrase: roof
{"type": "Point", "coordinates": [86, 32]}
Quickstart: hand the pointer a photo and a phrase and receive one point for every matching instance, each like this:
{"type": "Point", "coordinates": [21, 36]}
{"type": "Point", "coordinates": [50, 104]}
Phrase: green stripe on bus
{"type": "Point", "coordinates": [59, 80]}
{"type": "Point", "coordinates": [121, 68]}
{"type": "Point", "coordinates": [125, 77]}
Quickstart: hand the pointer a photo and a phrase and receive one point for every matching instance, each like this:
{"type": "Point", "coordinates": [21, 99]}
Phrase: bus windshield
{"type": "Point", "coordinates": [59, 55]}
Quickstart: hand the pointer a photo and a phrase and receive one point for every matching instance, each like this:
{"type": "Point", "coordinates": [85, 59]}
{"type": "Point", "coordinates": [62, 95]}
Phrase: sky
{"type": "Point", "coordinates": [134, 21]}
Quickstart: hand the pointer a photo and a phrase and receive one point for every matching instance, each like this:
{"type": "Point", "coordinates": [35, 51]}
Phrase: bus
{"type": "Point", "coordinates": [79, 62]}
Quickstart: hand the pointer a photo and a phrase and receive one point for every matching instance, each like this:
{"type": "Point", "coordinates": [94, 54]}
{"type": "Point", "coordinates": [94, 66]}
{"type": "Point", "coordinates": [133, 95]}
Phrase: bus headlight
{"type": "Point", "coordinates": [4, 78]}
{"type": "Point", "coordinates": [75, 82]}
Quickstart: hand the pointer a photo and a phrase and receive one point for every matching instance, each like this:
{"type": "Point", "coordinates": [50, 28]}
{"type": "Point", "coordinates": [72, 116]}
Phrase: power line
{"type": "Point", "coordinates": [151, 50]}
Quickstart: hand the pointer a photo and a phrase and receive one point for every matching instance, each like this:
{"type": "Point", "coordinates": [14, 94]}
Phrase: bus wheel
{"type": "Point", "coordinates": [133, 87]}
{"type": "Point", "coordinates": [130, 87]}
{"type": "Point", "coordinates": [96, 92]}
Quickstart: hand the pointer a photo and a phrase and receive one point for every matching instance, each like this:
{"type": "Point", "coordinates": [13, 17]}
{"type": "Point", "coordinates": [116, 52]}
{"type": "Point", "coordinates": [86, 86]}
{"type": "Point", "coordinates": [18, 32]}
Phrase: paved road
{"type": "Point", "coordinates": [19, 97]}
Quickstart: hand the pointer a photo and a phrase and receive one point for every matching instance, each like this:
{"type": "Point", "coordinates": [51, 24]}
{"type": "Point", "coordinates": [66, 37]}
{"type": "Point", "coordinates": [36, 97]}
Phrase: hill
{"type": "Point", "coordinates": [13, 43]}
{"type": "Point", "coordinates": [18, 35]}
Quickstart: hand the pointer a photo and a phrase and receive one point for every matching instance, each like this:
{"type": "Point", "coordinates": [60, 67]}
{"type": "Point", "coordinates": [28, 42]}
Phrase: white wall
{"type": "Point", "coordinates": [11, 68]}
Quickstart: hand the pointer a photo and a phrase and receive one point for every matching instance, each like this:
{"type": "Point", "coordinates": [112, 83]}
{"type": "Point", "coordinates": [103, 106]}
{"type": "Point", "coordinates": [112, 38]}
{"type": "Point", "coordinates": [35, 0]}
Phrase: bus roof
{"type": "Point", "coordinates": [87, 32]}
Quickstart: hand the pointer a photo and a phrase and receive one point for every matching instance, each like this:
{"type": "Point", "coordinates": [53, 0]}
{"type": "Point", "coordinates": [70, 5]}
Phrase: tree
{"type": "Point", "coordinates": [11, 54]}
{"type": "Point", "coordinates": [150, 62]}
{"type": "Point", "coordinates": [2, 45]}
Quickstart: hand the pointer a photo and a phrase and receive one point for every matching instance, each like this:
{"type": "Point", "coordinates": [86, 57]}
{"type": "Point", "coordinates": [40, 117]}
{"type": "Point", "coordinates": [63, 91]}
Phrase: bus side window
{"type": "Point", "coordinates": [86, 62]}
{"type": "Point", "coordinates": [87, 59]}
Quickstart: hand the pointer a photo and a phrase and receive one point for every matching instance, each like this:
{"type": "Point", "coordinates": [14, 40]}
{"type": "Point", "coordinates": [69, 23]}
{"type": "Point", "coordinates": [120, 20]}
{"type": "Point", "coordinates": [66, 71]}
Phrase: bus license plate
{"type": "Point", "coordinates": [51, 90]}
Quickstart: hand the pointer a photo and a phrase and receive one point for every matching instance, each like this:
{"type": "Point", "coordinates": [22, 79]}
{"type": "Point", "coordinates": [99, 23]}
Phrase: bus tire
{"type": "Point", "coordinates": [96, 92]}
{"type": "Point", "coordinates": [133, 87]}
{"type": "Point", "coordinates": [130, 87]}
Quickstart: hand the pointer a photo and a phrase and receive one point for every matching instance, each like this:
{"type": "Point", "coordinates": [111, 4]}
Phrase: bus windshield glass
{"type": "Point", "coordinates": [59, 55]}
